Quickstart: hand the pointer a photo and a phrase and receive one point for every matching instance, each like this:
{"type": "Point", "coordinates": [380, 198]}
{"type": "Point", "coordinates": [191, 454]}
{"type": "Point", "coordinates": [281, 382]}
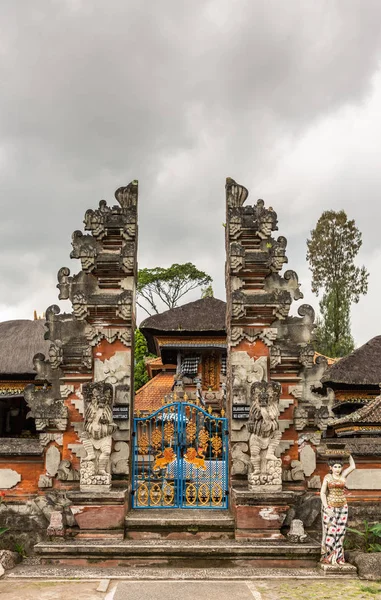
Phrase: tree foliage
{"type": "Point", "coordinates": [331, 251]}
{"type": "Point", "coordinates": [141, 353]}
{"type": "Point", "coordinates": [168, 286]}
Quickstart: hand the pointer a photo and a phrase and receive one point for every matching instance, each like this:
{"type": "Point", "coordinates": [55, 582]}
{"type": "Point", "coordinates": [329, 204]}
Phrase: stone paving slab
{"type": "Point", "coordinates": [186, 590]}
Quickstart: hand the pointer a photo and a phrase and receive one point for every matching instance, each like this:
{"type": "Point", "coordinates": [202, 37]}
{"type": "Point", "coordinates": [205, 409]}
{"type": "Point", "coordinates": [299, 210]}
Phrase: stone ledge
{"type": "Point", "coordinates": [20, 447]}
{"type": "Point", "coordinates": [104, 497]}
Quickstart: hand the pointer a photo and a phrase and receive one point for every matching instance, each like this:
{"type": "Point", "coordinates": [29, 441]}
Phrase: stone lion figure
{"type": "Point", "coordinates": [263, 424]}
{"type": "Point", "coordinates": [99, 425]}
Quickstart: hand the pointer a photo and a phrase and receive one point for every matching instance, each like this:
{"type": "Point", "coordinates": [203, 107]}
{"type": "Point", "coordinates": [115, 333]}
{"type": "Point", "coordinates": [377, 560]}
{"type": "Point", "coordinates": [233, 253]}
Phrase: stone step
{"type": "Point", "coordinates": [179, 553]}
{"type": "Point", "coordinates": [61, 572]}
{"type": "Point", "coordinates": [179, 524]}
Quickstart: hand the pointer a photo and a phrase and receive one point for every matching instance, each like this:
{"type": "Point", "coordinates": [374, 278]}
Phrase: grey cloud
{"type": "Point", "coordinates": [177, 94]}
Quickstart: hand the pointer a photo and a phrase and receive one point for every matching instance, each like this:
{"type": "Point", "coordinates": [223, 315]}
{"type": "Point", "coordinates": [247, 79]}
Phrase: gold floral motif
{"type": "Point", "coordinates": [191, 494]}
{"type": "Point", "coordinates": [216, 444]}
{"type": "Point", "coordinates": [143, 443]}
{"type": "Point", "coordinates": [191, 430]}
{"type": "Point", "coordinates": [168, 494]}
{"type": "Point", "coordinates": [203, 494]}
{"type": "Point", "coordinates": [203, 438]}
{"type": "Point", "coordinates": [217, 494]}
{"type": "Point", "coordinates": [155, 494]}
{"type": "Point", "coordinates": [142, 495]}
{"type": "Point", "coordinates": [169, 430]}
{"type": "Point", "coordinates": [156, 438]}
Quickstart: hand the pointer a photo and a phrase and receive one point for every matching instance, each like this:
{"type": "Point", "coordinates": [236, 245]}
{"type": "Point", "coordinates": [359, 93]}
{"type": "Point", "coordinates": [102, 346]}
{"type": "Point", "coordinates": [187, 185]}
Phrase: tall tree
{"type": "Point", "coordinates": [141, 353]}
{"type": "Point", "coordinates": [168, 286]}
{"type": "Point", "coordinates": [331, 251]}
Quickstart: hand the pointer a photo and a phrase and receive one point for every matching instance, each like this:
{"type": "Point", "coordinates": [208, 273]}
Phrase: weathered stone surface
{"type": "Point", "coordinates": [364, 479]}
{"type": "Point", "coordinates": [308, 459]}
{"type": "Point", "coordinates": [20, 447]}
{"type": "Point", "coordinates": [260, 517]}
{"type": "Point", "coordinates": [314, 482]}
{"type": "Point", "coordinates": [56, 526]}
{"type": "Point", "coordinates": [119, 458]}
{"type": "Point", "coordinates": [52, 460]}
{"type": "Point", "coordinates": [9, 478]}
{"type": "Point", "coordinates": [9, 559]}
{"type": "Point", "coordinates": [2, 571]}
{"type": "Point", "coordinates": [99, 517]}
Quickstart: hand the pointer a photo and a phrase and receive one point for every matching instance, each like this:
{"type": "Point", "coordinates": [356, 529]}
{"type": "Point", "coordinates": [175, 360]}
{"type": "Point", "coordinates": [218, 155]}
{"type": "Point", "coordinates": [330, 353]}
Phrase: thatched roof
{"type": "Point", "coordinates": [19, 341]}
{"type": "Point", "coordinates": [205, 315]}
{"type": "Point", "coordinates": [362, 367]}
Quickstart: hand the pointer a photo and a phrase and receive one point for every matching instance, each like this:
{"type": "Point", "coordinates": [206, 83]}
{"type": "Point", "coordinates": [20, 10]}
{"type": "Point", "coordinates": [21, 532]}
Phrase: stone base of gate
{"type": "Point", "coordinates": [98, 514]}
{"type": "Point", "coordinates": [260, 515]}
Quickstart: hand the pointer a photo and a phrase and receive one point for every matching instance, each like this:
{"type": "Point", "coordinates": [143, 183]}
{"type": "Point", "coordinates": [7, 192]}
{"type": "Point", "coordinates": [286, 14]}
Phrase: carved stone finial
{"type": "Point", "coordinates": [127, 196]}
{"type": "Point", "coordinates": [235, 194]}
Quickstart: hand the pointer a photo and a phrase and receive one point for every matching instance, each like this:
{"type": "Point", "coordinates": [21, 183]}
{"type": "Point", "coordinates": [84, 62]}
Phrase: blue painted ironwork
{"type": "Point", "coordinates": [180, 458]}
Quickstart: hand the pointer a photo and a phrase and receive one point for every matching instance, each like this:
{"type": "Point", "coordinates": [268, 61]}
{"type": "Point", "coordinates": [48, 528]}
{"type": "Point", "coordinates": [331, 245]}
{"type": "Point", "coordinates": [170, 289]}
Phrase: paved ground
{"type": "Point", "coordinates": [269, 589]}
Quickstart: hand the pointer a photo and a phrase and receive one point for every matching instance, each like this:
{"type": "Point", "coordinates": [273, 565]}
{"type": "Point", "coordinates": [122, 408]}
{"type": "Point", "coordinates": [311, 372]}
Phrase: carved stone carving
{"type": "Point", "coordinates": [66, 472]}
{"type": "Point", "coordinates": [294, 473]}
{"type": "Point", "coordinates": [300, 418]}
{"type": "Point", "coordinates": [277, 254]}
{"type": "Point", "coordinates": [46, 410]}
{"type": "Point", "coordinates": [85, 247]}
{"type": "Point", "coordinates": [124, 305]}
{"type": "Point", "coordinates": [245, 371]}
{"type": "Point", "coordinates": [119, 459]}
{"type": "Point", "coordinates": [307, 356]}
{"type": "Point", "coordinates": [265, 468]}
{"type": "Point", "coordinates": [56, 354]}
{"type": "Point", "coordinates": [97, 436]}
{"type": "Point", "coordinates": [240, 459]}
{"type": "Point", "coordinates": [127, 196]}
{"type": "Point", "coordinates": [275, 356]}
{"type": "Point", "coordinates": [235, 194]}
{"type": "Point", "coordinates": [237, 257]}
{"type": "Point", "coordinates": [296, 535]}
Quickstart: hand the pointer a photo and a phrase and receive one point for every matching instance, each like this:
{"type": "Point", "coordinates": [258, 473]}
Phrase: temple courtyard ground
{"type": "Point", "coordinates": [257, 588]}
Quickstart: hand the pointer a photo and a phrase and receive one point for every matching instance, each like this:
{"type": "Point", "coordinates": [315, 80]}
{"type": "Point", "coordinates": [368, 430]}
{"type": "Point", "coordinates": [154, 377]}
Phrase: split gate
{"type": "Point", "coordinates": [180, 458]}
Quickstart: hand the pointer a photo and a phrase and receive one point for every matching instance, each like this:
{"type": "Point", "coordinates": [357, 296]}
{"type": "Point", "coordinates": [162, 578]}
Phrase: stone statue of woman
{"type": "Point", "coordinates": [334, 511]}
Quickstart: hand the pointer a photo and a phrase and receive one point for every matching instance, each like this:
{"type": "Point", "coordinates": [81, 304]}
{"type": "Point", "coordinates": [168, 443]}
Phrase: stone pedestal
{"type": "Point", "coordinates": [345, 569]}
{"type": "Point", "coordinates": [260, 515]}
{"type": "Point", "coordinates": [98, 514]}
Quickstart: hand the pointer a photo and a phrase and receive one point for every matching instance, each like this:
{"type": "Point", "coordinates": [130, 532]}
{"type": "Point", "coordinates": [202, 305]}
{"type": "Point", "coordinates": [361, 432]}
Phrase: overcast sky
{"type": "Point", "coordinates": [284, 97]}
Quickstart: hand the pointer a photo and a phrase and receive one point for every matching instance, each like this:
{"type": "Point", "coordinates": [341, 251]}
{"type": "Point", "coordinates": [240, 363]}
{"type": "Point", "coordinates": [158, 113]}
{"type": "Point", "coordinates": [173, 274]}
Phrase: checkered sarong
{"type": "Point", "coordinates": [223, 365]}
{"type": "Point", "coordinates": [334, 527]}
{"type": "Point", "coordinates": [189, 366]}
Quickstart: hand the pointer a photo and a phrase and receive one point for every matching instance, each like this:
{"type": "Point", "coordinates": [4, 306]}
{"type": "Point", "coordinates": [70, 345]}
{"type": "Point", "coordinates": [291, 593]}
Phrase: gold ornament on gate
{"type": "Point", "coordinates": [164, 458]}
{"type": "Point", "coordinates": [216, 443]}
{"type": "Point", "coordinates": [191, 430]}
{"type": "Point", "coordinates": [169, 430]}
{"type": "Point", "coordinates": [203, 438]}
{"type": "Point", "coordinates": [196, 458]}
{"type": "Point", "coordinates": [143, 444]}
{"type": "Point", "coordinates": [156, 438]}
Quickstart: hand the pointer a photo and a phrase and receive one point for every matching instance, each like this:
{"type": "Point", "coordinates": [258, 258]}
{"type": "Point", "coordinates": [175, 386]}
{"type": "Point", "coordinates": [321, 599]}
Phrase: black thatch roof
{"type": "Point", "coordinates": [19, 341]}
{"type": "Point", "coordinates": [206, 315]}
{"type": "Point", "coordinates": [362, 367]}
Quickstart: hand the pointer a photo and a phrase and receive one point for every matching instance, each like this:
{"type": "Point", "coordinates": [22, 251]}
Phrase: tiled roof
{"type": "Point", "coordinates": [370, 413]}
{"type": "Point", "coordinates": [330, 361]}
{"type": "Point", "coordinates": [150, 396]}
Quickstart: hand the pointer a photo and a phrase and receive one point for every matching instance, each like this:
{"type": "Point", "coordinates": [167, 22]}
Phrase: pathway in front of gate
{"type": "Point", "coordinates": [258, 589]}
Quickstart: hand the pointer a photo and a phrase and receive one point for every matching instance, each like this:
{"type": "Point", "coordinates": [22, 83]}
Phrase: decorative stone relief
{"type": "Point", "coordinates": [245, 371]}
{"type": "Point", "coordinates": [113, 370]}
{"type": "Point", "coordinates": [240, 459]}
{"type": "Point", "coordinates": [265, 471]}
{"type": "Point", "coordinates": [9, 479]}
{"type": "Point", "coordinates": [119, 459]}
{"type": "Point", "coordinates": [300, 418]}
{"type": "Point", "coordinates": [47, 410]}
{"type": "Point", "coordinates": [95, 468]}
{"type": "Point", "coordinates": [294, 473]}
{"type": "Point", "coordinates": [66, 472]}
{"type": "Point", "coordinates": [45, 438]}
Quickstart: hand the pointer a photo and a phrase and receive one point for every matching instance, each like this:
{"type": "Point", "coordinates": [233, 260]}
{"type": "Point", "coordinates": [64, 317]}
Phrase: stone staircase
{"type": "Point", "coordinates": [164, 553]}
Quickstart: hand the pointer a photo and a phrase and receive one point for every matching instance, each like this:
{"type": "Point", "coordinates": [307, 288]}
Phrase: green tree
{"type": "Point", "coordinates": [168, 285]}
{"type": "Point", "coordinates": [141, 353]}
{"type": "Point", "coordinates": [207, 292]}
{"type": "Point", "coordinates": [331, 251]}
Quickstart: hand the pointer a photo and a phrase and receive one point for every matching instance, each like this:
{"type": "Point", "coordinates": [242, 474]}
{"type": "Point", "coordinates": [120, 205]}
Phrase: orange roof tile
{"type": "Point", "coordinates": [150, 396]}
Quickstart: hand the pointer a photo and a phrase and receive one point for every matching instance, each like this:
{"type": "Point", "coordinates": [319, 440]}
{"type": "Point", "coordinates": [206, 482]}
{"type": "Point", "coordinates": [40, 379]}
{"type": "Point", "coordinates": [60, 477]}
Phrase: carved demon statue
{"type": "Point", "coordinates": [97, 435]}
{"type": "Point", "coordinates": [263, 425]}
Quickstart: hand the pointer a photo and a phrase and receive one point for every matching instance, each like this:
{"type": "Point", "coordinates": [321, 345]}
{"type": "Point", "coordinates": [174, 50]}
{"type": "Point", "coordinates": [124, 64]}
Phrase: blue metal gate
{"type": "Point", "coordinates": [180, 458]}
